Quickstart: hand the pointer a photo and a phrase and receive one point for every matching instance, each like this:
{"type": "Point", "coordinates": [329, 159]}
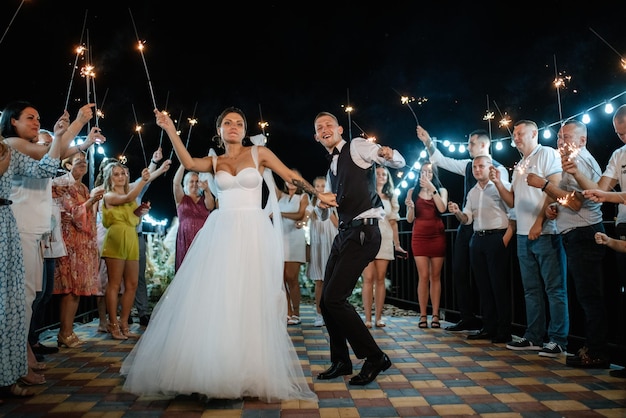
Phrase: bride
{"type": "Point", "coordinates": [219, 329]}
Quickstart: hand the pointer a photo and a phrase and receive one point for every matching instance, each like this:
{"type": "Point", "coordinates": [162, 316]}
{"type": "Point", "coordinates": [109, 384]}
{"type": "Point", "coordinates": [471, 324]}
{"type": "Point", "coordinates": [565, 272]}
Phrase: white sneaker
{"type": "Point", "coordinates": [319, 321]}
{"type": "Point", "coordinates": [551, 349]}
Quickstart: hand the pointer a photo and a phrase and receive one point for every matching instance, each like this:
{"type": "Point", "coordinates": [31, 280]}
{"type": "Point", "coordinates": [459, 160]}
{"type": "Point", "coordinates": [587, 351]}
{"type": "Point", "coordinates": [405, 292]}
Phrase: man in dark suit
{"type": "Point", "coordinates": [352, 179]}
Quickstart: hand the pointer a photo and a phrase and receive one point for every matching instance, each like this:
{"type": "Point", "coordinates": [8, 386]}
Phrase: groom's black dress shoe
{"type": "Point", "coordinates": [370, 370]}
{"type": "Point", "coordinates": [335, 370]}
{"type": "Point", "coordinates": [482, 335]}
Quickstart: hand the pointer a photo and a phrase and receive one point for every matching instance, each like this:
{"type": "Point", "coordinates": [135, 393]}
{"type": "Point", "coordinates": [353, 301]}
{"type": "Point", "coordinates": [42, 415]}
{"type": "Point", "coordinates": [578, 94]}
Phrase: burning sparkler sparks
{"type": "Point", "coordinates": [405, 100]}
{"type": "Point", "coordinates": [140, 46]}
{"type": "Point", "coordinates": [138, 130]}
{"type": "Point", "coordinates": [192, 122]}
{"type": "Point", "coordinates": [262, 124]}
{"type": "Point", "coordinates": [570, 151]}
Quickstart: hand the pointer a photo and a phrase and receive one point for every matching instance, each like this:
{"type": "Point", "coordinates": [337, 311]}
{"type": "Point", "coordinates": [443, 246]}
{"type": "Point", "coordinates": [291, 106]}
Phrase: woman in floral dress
{"type": "Point", "coordinates": [76, 273]}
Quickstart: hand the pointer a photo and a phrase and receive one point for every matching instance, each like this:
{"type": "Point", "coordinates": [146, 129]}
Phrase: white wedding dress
{"type": "Point", "coordinates": [219, 329]}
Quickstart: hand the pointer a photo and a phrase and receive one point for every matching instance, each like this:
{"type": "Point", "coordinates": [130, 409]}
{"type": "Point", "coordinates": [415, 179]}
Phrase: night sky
{"type": "Point", "coordinates": [284, 64]}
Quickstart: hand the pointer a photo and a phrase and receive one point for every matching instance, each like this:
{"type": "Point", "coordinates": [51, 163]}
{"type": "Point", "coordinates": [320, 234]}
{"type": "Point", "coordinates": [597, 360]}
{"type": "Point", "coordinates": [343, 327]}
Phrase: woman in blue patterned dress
{"type": "Point", "coordinates": [13, 327]}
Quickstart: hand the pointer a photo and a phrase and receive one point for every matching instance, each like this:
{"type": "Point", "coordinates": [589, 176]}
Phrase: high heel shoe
{"type": "Point", "coordinates": [71, 341]}
{"type": "Point", "coordinates": [127, 333]}
{"type": "Point", "coordinates": [114, 330]}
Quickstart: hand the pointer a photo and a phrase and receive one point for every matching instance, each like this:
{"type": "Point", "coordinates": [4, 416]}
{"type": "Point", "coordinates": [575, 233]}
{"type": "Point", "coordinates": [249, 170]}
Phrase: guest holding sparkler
{"type": "Point", "coordinates": [32, 198]}
{"type": "Point", "coordinates": [618, 245]}
{"type": "Point", "coordinates": [478, 143]}
{"type": "Point", "coordinates": [425, 204]}
{"type": "Point", "coordinates": [539, 246]}
{"type": "Point", "coordinates": [194, 201]}
{"type": "Point", "coordinates": [120, 215]}
{"type": "Point", "coordinates": [602, 191]}
{"type": "Point", "coordinates": [493, 229]}
{"type": "Point", "coordinates": [21, 119]}
{"type": "Point", "coordinates": [76, 273]}
{"type": "Point", "coordinates": [577, 220]}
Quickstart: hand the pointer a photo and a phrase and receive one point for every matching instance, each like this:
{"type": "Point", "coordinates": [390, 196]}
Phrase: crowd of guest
{"type": "Point", "coordinates": [552, 205]}
{"type": "Point", "coordinates": [77, 242]}
{"type": "Point", "coordinates": [47, 208]}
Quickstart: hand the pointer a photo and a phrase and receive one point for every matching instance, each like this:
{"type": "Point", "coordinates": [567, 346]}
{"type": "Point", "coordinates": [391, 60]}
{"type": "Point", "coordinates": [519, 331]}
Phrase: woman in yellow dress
{"type": "Point", "coordinates": [120, 215]}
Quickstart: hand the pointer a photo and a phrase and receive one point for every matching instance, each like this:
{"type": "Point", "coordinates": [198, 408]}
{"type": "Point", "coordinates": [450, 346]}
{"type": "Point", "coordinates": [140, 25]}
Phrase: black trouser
{"type": "Point", "coordinates": [352, 250]}
{"type": "Point", "coordinates": [490, 264]}
{"type": "Point", "coordinates": [461, 271]}
{"type": "Point", "coordinates": [42, 298]}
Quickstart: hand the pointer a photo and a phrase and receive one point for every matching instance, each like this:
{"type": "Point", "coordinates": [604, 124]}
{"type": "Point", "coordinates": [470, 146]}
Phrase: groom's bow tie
{"type": "Point", "coordinates": [330, 155]}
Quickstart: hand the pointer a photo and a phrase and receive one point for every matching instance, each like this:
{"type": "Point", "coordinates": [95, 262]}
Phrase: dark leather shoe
{"type": "Point", "coordinates": [465, 325]}
{"type": "Point", "coordinates": [39, 348]}
{"type": "Point", "coordinates": [335, 370]}
{"type": "Point", "coordinates": [618, 373]}
{"type": "Point", "coordinates": [482, 335]}
{"type": "Point", "coordinates": [144, 320]}
{"type": "Point", "coordinates": [370, 370]}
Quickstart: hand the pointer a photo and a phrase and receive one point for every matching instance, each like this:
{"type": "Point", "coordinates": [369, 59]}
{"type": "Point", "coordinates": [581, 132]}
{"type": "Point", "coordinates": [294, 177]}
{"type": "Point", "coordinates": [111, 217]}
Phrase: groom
{"type": "Point", "coordinates": [352, 177]}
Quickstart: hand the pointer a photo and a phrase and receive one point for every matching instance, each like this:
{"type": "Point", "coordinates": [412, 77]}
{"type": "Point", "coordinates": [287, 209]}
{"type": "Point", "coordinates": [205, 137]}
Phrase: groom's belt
{"type": "Point", "coordinates": [358, 222]}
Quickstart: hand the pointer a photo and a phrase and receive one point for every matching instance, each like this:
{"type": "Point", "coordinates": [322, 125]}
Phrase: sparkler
{"type": "Point", "coordinates": [622, 60]}
{"type": "Point", "coordinates": [177, 132]}
{"type": "Point", "coordinates": [99, 113]}
{"type": "Point", "coordinates": [505, 121]}
{"type": "Point", "coordinates": [192, 121]}
{"type": "Point", "coordinates": [349, 110]}
{"type": "Point", "coordinates": [140, 45]}
{"type": "Point", "coordinates": [122, 157]}
{"type": "Point", "coordinates": [262, 123]}
{"type": "Point", "coordinates": [407, 101]}
{"type": "Point", "coordinates": [138, 130]}
{"type": "Point", "coordinates": [79, 51]}
{"type": "Point", "coordinates": [559, 81]}
{"type": "Point", "coordinates": [11, 22]}
{"type": "Point", "coordinates": [167, 99]}
{"type": "Point", "coordinates": [361, 129]}
{"type": "Point", "coordinates": [365, 135]}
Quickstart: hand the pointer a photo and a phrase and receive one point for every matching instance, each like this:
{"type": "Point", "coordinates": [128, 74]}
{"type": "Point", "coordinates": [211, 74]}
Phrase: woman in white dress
{"type": "Point", "coordinates": [376, 271]}
{"type": "Point", "coordinates": [219, 329]}
{"type": "Point", "coordinates": [292, 204]}
{"type": "Point", "coordinates": [321, 235]}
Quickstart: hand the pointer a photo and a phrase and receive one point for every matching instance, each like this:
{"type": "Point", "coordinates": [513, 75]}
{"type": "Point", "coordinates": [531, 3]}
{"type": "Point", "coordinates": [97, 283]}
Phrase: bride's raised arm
{"type": "Point", "coordinates": [201, 165]}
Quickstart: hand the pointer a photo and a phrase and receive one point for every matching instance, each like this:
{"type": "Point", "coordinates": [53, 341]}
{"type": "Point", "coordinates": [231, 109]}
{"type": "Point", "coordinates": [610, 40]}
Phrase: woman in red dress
{"type": "Point", "coordinates": [428, 243]}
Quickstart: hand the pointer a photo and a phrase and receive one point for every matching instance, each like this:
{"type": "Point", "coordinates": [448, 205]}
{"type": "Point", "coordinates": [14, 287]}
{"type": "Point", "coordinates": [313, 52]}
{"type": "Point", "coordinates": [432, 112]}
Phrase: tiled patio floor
{"type": "Point", "coordinates": [434, 373]}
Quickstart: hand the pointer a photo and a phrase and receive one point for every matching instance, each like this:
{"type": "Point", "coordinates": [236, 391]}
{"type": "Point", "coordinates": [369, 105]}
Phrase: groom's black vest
{"type": "Point", "coordinates": [355, 187]}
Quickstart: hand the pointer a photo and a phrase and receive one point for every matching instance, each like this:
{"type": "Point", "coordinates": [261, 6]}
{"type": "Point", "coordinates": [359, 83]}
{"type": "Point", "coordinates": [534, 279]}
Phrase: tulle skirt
{"type": "Point", "coordinates": [220, 327]}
